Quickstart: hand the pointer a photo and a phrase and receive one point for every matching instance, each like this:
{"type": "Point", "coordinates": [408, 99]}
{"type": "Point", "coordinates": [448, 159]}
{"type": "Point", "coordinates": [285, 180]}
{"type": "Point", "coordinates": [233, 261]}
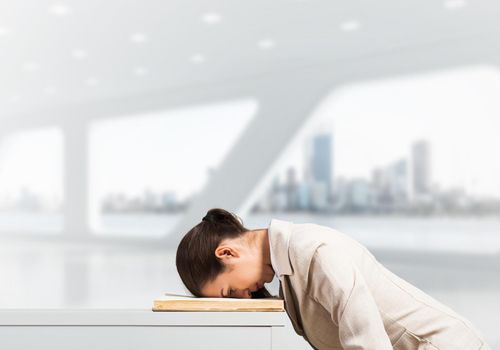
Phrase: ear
{"type": "Point", "coordinates": [226, 252]}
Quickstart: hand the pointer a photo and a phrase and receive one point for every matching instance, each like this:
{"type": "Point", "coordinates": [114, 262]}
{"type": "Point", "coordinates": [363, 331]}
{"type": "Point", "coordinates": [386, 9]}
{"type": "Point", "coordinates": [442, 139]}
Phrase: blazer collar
{"type": "Point", "coordinates": [279, 232]}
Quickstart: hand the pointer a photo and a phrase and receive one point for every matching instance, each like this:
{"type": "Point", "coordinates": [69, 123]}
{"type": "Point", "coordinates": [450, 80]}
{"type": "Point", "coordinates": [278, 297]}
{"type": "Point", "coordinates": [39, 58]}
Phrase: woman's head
{"type": "Point", "coordinates": [220, 254]}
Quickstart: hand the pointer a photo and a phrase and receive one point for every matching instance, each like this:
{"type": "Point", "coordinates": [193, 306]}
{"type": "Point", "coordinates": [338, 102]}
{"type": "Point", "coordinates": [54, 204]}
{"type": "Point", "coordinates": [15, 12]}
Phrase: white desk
{"type": "Point", "coordinates": [84, 329]}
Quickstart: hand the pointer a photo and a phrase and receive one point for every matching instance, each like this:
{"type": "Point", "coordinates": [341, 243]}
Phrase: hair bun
{"type": "Point", "coordinates": [222, 217]}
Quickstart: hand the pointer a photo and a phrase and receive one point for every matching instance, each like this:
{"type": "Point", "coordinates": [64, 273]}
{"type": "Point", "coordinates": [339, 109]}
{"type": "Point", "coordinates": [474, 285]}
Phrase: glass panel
{"type": "Point", "coordinates": [146, 169]}
{"type": "Point", "coordinates": [406, 163]}
{"type": "Point", "coordinates": [31, 181]}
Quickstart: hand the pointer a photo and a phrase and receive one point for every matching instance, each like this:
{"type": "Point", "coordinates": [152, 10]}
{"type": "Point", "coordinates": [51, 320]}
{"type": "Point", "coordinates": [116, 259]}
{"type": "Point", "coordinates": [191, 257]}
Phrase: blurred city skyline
{"type": "Point", "coordinates": [400, 186]}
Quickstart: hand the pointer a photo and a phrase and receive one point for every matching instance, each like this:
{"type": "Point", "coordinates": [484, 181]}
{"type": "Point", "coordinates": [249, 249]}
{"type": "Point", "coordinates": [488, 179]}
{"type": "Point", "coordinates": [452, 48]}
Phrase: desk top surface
{"type": "Point", "coordinates": [136, 317]}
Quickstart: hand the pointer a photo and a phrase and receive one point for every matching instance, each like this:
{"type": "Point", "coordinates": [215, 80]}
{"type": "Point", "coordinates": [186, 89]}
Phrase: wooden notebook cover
{"type": "Point", "coordinates": [174, 302]}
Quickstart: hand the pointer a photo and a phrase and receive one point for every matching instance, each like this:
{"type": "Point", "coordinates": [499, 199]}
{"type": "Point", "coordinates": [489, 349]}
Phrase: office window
{"type": "Point", "coordinates": [31, 181]}
{"type": "Point", "coordinates": [146, 169]}
{"type": "Point", "coordinates": [406, 163]}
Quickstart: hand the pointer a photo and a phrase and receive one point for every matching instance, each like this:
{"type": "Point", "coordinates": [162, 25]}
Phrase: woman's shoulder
{"type": "Point", "coordinates": [312, 234]}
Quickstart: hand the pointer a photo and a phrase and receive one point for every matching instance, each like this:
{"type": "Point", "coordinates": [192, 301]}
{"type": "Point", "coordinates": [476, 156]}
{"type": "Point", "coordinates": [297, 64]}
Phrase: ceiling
{"type": "Point", "coordinates": [69, 51]}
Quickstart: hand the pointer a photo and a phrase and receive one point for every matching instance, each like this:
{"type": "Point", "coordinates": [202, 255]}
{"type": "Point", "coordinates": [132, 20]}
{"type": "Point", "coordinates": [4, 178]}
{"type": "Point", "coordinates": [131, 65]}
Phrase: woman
{"type": "Point", "coordinates": [337, 295]}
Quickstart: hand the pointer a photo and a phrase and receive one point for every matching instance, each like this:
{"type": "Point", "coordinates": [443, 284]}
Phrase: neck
{"type": "Point", "coordinates": [262, 242]}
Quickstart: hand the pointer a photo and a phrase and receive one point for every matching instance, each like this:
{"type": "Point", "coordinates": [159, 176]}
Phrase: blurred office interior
{"type": "Point", "coordinates": [123, 122]}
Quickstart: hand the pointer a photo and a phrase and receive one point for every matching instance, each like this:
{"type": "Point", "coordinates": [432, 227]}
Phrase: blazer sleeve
{"type": "Point", "coordinates": [337, 284]}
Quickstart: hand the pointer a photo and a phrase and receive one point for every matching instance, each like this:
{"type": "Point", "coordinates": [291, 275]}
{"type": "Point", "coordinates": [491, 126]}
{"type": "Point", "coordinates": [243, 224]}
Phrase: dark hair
{"type": "Point", "coordinates": [196, 261]}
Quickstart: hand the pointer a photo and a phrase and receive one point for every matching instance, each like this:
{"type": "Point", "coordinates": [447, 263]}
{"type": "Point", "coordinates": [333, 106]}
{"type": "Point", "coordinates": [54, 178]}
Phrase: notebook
{"type": "Point", "coordinates": [179, 302]}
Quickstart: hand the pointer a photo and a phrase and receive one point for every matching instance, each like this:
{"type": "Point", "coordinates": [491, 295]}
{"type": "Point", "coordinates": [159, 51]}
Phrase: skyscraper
{"type": "Point", "coordinates": [291, 189]}
{"type": "Point", "coordinates": [421, 158]}
{"type": "Point", "coordinates": [321, 161]}
{"type": "Point", "coordinates": [397, 174]}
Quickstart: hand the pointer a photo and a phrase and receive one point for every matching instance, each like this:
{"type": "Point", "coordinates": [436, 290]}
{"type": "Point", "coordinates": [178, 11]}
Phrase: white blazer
{"type": "Point", "coordinates": [338, 296]}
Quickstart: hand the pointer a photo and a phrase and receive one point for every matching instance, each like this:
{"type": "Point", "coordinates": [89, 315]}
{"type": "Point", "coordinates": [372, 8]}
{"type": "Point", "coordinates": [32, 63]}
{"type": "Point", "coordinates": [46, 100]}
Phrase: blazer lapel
{"type": "Point", "coordinates": [287, 295]}
{"type": "Point", "coordinates": [280, 232]}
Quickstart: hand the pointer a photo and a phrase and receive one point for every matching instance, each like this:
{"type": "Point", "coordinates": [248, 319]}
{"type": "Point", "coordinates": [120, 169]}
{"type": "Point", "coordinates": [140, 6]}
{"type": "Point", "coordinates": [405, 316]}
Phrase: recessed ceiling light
{"type": "Point", "coordinates": [59, 10]}
{"type": "Point", "coordinates": [454, 4]}
{"type": "Point", "coordinates": [266, 44]}
{"type": "Point", "coordinates": [31, 66]}
{"type": "Point", "coordinates": [211, 17]}
{"type": "Point", "coordinates": [197, 59]}
{"type": "Point", "coordinates": [138, 37]}
{"type": "Point", "coordinates": [91, 81]}
{"type": "Point", "coordinates": [141, 71]}
{"type": "Point", "coordinates": [350, 26]}
{"type": "Point", "coordinates": [50, 90]}
{"type": "Point", "coordinates": [79, 54]}
{"type": "Point", "coordinates": [3, 31]}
